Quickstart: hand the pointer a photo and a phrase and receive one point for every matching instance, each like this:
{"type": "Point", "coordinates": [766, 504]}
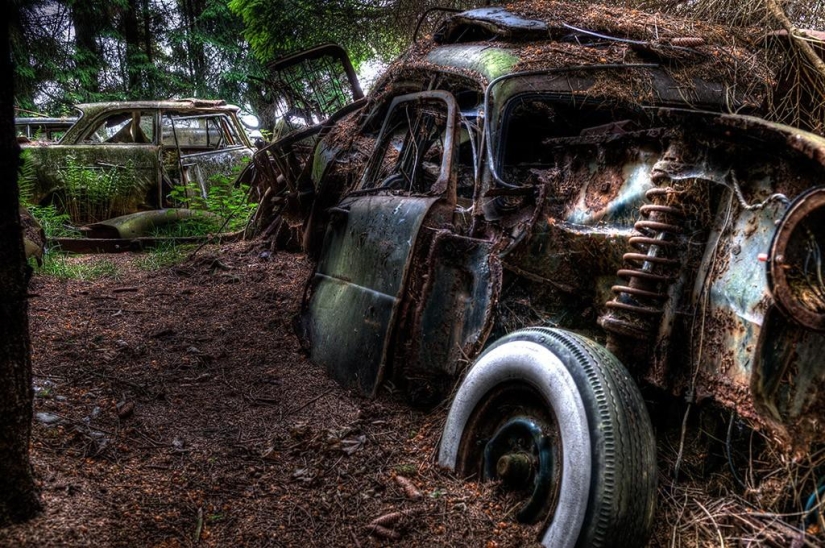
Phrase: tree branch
{"type": "Point", "coordinates": [797, 37]}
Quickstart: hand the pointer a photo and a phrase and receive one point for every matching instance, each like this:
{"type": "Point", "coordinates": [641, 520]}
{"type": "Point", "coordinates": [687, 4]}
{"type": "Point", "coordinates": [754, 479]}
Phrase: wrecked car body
{"type": "Point", "coordinates": [560, 208]}
{"type": "Point", "coordinates": [136, 152]}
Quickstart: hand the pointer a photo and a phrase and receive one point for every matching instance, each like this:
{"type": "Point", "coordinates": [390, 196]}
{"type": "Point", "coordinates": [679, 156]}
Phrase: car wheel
{"type": "Point", "coordinates": [559, 422]}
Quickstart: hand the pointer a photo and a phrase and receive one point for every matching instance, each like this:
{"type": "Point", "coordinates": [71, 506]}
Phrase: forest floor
{"type": "Point", "coordinates": [175, 407]}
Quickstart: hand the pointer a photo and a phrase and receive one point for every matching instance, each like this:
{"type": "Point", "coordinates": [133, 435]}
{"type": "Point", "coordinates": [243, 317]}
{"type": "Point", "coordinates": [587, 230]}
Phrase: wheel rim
{"type": "Point", "coordinates": [521, 456]}
{"type": "Point", "coordinates": [512, 437]}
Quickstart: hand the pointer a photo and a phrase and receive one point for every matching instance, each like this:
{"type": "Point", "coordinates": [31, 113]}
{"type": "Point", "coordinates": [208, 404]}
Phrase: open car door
{"type": "Point", "coordinates": [374, 234]}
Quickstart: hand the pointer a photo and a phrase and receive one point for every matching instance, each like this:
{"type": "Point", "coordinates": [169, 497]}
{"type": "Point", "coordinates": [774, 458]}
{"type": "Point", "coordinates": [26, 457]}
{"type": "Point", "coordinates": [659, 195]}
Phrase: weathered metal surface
{"type": "Point", "coordinates": [478, 24]}
{"type": "Point", "coordinates": [732, 303]}
{"type": "Point", "coordinates": [136, 225]}
{"type": "Point", "coordinates": [136, 165]}
{"type": "Point", "coordinates": [91, 112]}
{"type": "Point", "coordinates": [356, 288]}
{"type": "Point", "coordinates": [450, 313]}
{"type": "Point", "coordinates": [119, 245]}
{"type": "Point", "coordinates": [490, 62]}
{"type": "Point", "coordinates": [788, 381]}
{"type": "Point", "coordinates": [602, 201]}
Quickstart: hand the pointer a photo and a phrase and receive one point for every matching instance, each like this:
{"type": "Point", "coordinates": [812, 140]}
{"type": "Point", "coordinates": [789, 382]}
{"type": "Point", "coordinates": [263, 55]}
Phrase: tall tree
{"type": "Point", "coordinates": [213, 60]}
{"type": "Point", "coordinates": [89, 20]}
{"type": "Point", "coordinates": [38, 51]}
{"type": "Point", "coordinates": [133, 63]}
{"type": "Point", "coordinates": [19, 499]}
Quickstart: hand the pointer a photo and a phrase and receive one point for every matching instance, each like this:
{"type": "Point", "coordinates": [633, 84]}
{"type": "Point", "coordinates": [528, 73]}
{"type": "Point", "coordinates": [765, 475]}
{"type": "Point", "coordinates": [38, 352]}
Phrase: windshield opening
{"type": "Point", "coordinates": [536, 127]}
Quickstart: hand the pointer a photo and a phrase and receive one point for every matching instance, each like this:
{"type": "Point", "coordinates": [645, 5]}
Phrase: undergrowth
{"type": "Point", "coordinates": [224, 199]}
{"type": "Point", "coordinates": [62, 266]}
{"type": "Point", "coordinates": [164, 255]}
{"type": "Point", "coordinates": [95, 194]}
{"type": "Point", "coordinates": [55, 224]}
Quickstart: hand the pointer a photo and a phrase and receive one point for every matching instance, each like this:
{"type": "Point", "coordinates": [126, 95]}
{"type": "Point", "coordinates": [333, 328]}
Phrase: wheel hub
{"type": "Point", "coordinates": [515, 469]}
{"type": "Point", "coordinates": [521, 456]}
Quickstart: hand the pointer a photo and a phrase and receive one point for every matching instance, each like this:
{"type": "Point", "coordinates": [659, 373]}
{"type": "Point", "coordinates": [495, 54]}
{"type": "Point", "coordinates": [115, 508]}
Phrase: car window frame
{"type": "Point", "coordinates": [445, 184]}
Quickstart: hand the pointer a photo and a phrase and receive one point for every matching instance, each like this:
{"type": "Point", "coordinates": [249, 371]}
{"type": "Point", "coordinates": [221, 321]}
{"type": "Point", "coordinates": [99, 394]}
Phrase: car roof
{"type": "Point", "coordinates": [209, 105]}
{"type": "Point", "coordinates": [541, 35]}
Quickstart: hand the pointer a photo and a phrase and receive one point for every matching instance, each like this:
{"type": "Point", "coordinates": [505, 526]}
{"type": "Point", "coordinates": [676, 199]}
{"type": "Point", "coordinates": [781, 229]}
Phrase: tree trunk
{"type": "Point", "coordinates": [19, 499]}
{"type": "Point", "coordinates": [130, 30]}
{"type": "Point", "coordinates": [88, 53]}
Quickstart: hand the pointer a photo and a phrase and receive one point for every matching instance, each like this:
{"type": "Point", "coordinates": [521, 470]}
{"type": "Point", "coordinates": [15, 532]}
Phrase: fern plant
{"type": "Point", "coordinates": [26, 178]}
{"type": "Point", "coordinates": [95, 194]}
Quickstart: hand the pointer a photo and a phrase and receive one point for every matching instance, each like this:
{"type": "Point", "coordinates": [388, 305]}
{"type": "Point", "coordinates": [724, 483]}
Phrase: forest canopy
{"type": "Point", "coordinates": [71, 51]}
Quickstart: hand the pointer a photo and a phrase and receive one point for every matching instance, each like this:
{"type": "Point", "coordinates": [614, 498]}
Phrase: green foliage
{"type": "Point", "coordinates": [365, 28]}
{"type": "Point", "coordinates": [164, 255]}
{"type": "Point", "coordinates": [276, 27]}
{"type": "Point", "coordinates": [72, 51]}
{"type": "Point", "coordinates": [94, 194]}
{"type": "Point", "coordinates": [56, 224]}
{"type": "Point", "coordinates": [27, 177]}
{"type": "Point", "coordinates": [226, 201]}
{"type": "Point", "coordinates": [229, 203]}
{"type": "Point", "coordinates": [67, 267]}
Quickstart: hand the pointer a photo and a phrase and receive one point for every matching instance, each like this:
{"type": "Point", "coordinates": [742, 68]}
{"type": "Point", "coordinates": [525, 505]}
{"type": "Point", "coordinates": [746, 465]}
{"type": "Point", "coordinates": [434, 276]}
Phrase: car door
{"type": "Point", "coordinates": [408, 190]}
{"type": "Point", "coordinates": [201, 148]}
{"type": "Point", "coordinates": [111, 169]}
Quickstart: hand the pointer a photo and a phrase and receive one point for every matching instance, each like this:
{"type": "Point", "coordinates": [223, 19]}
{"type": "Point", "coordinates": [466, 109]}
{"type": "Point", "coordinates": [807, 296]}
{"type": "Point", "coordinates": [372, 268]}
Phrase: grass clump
{"type": "Point", "coordinates": [164, 255]}
{"type": "Point", "coordinates": [65, 267]}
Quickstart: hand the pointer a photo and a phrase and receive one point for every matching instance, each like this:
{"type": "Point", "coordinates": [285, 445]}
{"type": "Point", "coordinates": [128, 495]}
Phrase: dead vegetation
{"type": "Point", "coordinates": [796, 57]}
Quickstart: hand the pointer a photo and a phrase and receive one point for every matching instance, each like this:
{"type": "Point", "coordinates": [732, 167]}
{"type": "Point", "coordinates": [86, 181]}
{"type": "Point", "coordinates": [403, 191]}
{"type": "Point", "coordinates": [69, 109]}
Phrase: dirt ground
{"type": "Point", "coordinates": [175, 407]}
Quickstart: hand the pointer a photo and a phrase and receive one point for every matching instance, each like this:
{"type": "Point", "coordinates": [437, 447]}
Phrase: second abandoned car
{"type": "Point", "coordinates": [560, 204]}
{"type": "Point", "coordinates": [121, 158]}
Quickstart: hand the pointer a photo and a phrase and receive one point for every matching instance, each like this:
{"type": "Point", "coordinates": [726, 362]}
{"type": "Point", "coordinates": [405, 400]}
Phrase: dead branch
{"type": "Point", "coordinates": [796, 36]}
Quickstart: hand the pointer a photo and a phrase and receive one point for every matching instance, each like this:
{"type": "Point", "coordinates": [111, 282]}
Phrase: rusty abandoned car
{"type": "Point", "coordinates": [548, 207]}
{"type": "Point", "coordinates": [136, 152]}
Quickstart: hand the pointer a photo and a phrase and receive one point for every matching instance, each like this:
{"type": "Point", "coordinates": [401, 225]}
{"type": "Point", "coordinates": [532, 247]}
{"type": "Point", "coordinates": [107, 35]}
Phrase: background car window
{"type": "Point", "coordinates": [124, 127]}
{"type": "Point", "coordinates": [207, 132]}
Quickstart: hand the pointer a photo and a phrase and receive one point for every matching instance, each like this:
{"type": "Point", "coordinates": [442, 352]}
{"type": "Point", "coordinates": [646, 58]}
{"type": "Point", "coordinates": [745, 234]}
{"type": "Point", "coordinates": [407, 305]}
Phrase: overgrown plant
{"type": "Point", "coordinates": [228, 202]}
{"type": "Point", "coordinates": [56, 224]}
{"type": "Point", "coordinates": [26, 177]}
{"type": "Point", "coordinates": [95, 194]}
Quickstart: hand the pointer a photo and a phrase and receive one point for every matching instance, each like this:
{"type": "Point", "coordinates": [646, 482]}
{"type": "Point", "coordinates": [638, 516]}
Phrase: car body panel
{"type": "Point", "coordinates": [357, 286]}
{"type": "Point", "coordinates": [617, 186]}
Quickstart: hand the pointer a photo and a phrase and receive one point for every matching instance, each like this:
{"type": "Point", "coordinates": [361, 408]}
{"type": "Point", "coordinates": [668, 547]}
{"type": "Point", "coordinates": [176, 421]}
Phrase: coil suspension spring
{"type": "Point", "coordinates": [650, 269]}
